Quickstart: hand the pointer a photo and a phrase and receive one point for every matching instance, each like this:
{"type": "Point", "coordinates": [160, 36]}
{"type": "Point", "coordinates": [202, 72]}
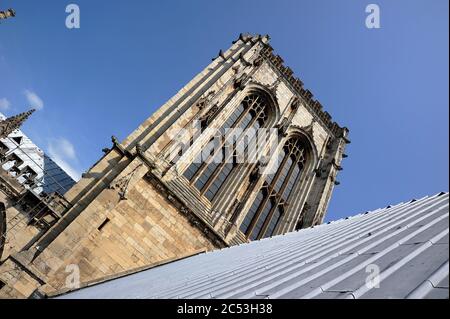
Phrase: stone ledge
{"type": "Point", "coordinates": [41, 292]}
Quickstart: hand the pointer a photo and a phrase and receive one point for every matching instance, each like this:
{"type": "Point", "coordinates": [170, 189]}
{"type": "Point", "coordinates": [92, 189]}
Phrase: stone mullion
{"type": "Point", "coordinates": [197, 116]}
{"type": "Point", "coordinates": [211, 157]}
{"type": "Point", "coordinates": [275, 178]}
{"type": "Point", "coordinates": [253, 70]}
{"type": "Point", "coordinates": [278, 198]}
{"type": "Point", "coordinates": [256, 185]}
{"type": "Point", "coordinates": [253, 158]}
{"type": "Point", "coordinates": [223, 105]}
{"type": "Point", "coordinates": [257, 214]}
{"type": "Point", "coordinates": [253, 122]}
{"type": "Point", "coordinates": [244, 168]}
{"type": "Point", "coordinates": [249, 230]}
{"type": "Point", "coordinates": [221, 165]}
{"type": "Point", "coordinates": [261, 231]}
{"type": "Point", "coordinates": [269, 193]}
{"type": "Point", "coordinates": [237, 90]}
{"type": "Point", "coordinates": [303, 184]}
{"type": "Point", "coordinates": [254, 138]}
{"type": "Point", "coordinates": [199, 113]}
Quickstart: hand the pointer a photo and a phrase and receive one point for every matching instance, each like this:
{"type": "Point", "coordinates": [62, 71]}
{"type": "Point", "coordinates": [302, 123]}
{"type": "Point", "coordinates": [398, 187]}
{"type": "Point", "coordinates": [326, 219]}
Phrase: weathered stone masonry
{"type": "Point", "coordinates": [135, 208]}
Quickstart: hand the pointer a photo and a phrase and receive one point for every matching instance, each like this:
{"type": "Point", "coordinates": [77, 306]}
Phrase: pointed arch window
{"type": "Point", "coordinates": [208, 174]}
{"type": "Point", "coordinates": [272, 199]}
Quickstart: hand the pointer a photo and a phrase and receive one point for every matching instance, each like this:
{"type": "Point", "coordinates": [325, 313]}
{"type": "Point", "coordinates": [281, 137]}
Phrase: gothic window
{"type": "Point", "coordinates": [269, 205]}
{"type": "Point", "coordinates": [209, 173]}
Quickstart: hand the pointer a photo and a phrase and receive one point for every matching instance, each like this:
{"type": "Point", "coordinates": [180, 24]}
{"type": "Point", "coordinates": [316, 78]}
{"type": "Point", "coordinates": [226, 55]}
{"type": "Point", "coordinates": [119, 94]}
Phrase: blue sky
{"type": "Point", "coordinates": [389, 86]}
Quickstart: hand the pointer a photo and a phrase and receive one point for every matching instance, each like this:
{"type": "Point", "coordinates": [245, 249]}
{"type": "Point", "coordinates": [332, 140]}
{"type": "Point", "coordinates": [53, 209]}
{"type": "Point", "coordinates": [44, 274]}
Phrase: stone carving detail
{"type": "Point", "coordinates": [221, 55]}
{"type": "Point", "coordinates": [266, 76]}
{"type": "Point", "coordinates": [310, 128]}
{"type": "Point", "coordinates": [306, 208]}
{"type": "Point", "coordinates": [234, 208]}
{"type": "Point", "coordinates": [243, 37]}
{"type": "Point", "coordinates": [258, 61]}
{"type": "Point", "coordinates": [209, 116]}
{"type": "Point", "coordinates": [319, 171]}
{"type": "Point", "coordinates": [204, 100]}
{"type": "Point", "coordinates": [242, 58]}
{"type": "Point", "coordinates": [119, 147]}
{"type": "Point", "coordinates": [236, 68]}
{"type": "Point", "coordinates": [295, 104]}
{"type": "Point", "coordinates": [140, 153]}
{"type": "Point", "coordinates": [255, 173]}
{"type": "Point", "coordinates": [274, 87]}
{"type": "Point", "coordinates": [122, 183]}
{"type": "Point", "coordinates": [203, 103]}
{"type": "Point", "coordinates": [283, 126]}
{"type": "Point", "coordinates": [336, 165]}
{"type": "Point", "coordinates": [184, 210]}
{"type": "Point", "coordinates": [139, 149]}
{"type": "Point", "coordinates": [329, 143]}
{"type": "Point", "coordinates": [242, 81]}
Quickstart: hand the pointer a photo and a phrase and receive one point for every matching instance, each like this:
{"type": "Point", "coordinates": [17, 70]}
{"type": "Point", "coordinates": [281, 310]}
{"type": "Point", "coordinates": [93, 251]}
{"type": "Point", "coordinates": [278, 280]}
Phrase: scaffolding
{"type": "Point", "coordinates": [24, 185]}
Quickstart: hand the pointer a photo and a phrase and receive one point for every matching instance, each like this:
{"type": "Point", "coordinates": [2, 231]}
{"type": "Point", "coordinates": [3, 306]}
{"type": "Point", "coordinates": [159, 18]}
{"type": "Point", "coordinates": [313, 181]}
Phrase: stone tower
{"type": "Point", "coordinates": [177, 185]}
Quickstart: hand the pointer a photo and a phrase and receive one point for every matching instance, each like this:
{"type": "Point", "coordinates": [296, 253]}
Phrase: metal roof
{"type": "Point", "coordinates": [407, 243]}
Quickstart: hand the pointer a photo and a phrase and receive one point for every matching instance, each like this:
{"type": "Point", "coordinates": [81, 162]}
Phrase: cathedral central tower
{"type": "Point", "coordinates": [242, 152]}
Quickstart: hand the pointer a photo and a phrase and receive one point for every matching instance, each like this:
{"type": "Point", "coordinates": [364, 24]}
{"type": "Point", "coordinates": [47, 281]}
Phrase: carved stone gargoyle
{"type": "Point", "coordinates": [258, 61]}
{"type": "Point", "coordinates": [209, 116]}
{"type": "Point", "coordinates": [205, 100]}
{"type": "Point", "coordinates": [283, 126]}
{"type": "Point", "coordinates": [295, 104]}
{"type": "Point", "coordinates": [241, 82]}
{"type": "Point", "coordinates": [255, 174]}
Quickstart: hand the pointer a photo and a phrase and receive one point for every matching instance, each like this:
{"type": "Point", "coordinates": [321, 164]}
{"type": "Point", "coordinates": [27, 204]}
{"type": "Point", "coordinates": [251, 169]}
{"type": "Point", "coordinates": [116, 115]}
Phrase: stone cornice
{"type": "Point", "coordinates": [314, 106]}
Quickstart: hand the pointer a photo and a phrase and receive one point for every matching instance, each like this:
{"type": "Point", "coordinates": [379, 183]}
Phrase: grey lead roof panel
{"type": "Point", "coordinates": [407, 244]}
